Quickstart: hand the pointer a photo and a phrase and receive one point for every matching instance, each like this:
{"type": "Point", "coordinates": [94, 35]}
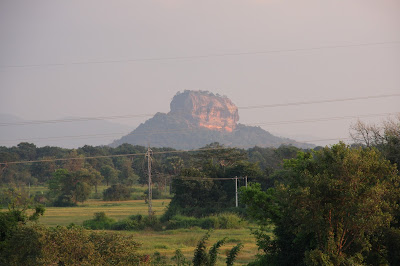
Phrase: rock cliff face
{"type": "Point", "coordinates": [203, 109]}
{"type": "Point", "coordinates": [198, 118]}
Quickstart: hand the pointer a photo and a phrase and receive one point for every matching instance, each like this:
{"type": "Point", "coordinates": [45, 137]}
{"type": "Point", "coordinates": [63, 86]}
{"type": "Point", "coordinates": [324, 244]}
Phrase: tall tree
{"type": "Point", "coordinates": [69, 188]}
{"type": "Point", "coordinates": [385, 137]}
{"type": "Point", "coordinates": [110, 174]}
{"type": "Point", "coordinates": [335, 201]}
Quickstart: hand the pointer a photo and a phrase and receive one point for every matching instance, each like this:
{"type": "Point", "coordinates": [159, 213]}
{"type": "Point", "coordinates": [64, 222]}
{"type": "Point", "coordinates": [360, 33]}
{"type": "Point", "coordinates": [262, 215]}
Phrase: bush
{"type": "Point", "coordinates": [179, 258]}
{"type": "Point", "coordinates": [138, 222]}
{"type": "Point", "coordinates": [38, 245]}
{"type": "Point", "coordinates": [179, 221]}
{"type": "Point", "coordinates": [227, 221]}
{"type": "Point", "coordinates": [141, 222]}
{"type": "Point", "coordinates": [158, 259]}
{"type": "Point", "coordinates": [64, 201]}
{"type": "Point", "coordinates": [198, 212]}
{"type": "Point", "coordinates": [76, 246]}
{"type": "Point", "coordinates": [117, 192]}
{"type": "Point", "coordinates": [202, 257]}
{"type": "Point", "coordinates": [219, 221]}
{"type": "Point", "coordinates": [100, 222]}
{"type": "Point", "coordinates": [134, 222]}
{"type": "Point", "coordinates": [19, 247]}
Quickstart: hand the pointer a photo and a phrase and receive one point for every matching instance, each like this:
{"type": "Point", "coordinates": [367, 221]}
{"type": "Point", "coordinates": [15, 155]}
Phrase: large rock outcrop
{"type": "Point", "coordinates": [204, 109]}
{"type": "Point", "coordinates": [198, 118]}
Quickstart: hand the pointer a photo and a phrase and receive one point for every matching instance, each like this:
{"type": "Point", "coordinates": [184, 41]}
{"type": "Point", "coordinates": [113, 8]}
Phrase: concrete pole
{"type": "Point", "coordinates": [148, 154]}
{"type": "Point", "coordinates": [236, 190]}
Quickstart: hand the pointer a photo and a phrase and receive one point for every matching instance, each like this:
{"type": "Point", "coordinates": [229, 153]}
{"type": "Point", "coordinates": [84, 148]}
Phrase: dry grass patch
{"type": "Point", "coordinates": [166, 242]}
{"type": "Point", "coordinates": [54, 216]}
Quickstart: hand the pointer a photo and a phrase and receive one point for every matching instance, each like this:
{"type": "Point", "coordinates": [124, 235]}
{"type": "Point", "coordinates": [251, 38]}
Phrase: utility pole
{"type": "Point", "coordinates": [148, 155]}
{"type": "Point", "coordinates": [246, 181]}
{"type": "Point", "coordinates": [236, 190]}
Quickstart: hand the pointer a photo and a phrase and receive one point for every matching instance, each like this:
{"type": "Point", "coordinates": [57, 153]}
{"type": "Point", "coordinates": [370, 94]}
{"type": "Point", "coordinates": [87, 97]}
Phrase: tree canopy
{"type": "Point", "coordinates": [328, 212]}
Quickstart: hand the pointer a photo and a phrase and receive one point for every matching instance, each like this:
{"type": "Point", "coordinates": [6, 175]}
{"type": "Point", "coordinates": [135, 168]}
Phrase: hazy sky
{"type": "Point", "coordinates": [43, 43]}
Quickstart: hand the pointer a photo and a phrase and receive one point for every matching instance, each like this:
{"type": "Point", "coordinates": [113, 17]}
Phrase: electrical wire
{"type": "Point", "coordinates": [129, 154]}
{"type": "Point", "coordinates": [80, 119]}
{"type": "Point", "coordinates": [206, 178]}
{"type": "Point", "coordinates": [169, 131]}
{"type": "Point", "coordinates": [107, 156]}
{"type": "Point", "coordinates": [207, 56]}
{"type": "Point", "coordinates": [320, 101]}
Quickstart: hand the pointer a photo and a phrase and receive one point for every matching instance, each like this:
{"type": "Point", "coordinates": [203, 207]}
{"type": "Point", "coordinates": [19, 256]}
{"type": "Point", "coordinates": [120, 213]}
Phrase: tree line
{"type": "Point", "coordinates": [72, 179]}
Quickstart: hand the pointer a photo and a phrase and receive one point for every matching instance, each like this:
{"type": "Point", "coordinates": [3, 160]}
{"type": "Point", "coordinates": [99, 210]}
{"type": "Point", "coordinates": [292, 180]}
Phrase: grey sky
{"type": "Point", "coordinates": [66, 32]}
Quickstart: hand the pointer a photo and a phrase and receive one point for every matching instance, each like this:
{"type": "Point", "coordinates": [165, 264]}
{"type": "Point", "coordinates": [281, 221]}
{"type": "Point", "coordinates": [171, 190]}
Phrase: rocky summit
{"type": "Point", "coordinates": [198, 118]}
{"type": "Point", "coordinates": [205, 110]}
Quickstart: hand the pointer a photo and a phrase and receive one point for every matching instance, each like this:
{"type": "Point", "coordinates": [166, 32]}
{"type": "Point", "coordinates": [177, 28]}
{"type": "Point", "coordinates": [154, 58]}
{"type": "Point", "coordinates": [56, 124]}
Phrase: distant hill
{"type": "Point", "coordinates": [198, 118]}
{"type": "Point", "coordinates": [66, 135]}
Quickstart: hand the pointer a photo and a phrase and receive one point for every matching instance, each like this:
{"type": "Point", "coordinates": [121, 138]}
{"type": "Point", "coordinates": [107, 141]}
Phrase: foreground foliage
{"type": "Point", "coordinates": [204, 258]}
{"type": "Point", "coordinates": [336, 208]}
{"type": "Point", "coordinates": [25, 243]}
{"type": "Point", "coordinates": [38, 245]}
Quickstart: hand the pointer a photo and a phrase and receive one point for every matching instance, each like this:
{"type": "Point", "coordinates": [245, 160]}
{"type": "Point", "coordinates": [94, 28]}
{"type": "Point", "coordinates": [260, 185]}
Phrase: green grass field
{"type": "Point", "coordinates": [115, 209]}
{"type": "Point", "coordinates": [165, 242]}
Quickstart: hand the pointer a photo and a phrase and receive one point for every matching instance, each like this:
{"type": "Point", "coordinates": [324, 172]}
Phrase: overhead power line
{"type": "Point", "coordinates": [86, 136]}
{"type": "Point", "coordinates": [77, 119]}
{"type": "Point", "coordinates": [204, 56]}
{"type": "Point", "coordinates": [159, 132]}
{"type": "Point", "coordinates": [206, 178]}
{"type": "Point", "coordinates": [138, 154]}
{"type": "Point", "coordinates": [321, 101]}
{"type": "Point", "coordinates": [322, 119]}
{"type": "Point", "coordinates": [80, 119]}
{"type": "Point", "coordinates": [108, 156]}
{"type": "Point", "coordinates": [321, 140]}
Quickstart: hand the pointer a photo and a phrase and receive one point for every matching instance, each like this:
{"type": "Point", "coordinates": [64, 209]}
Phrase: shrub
{"type": "Point", "coordinates": [64, 201]}
{"type": "Point", "coordinates": [138, 222]}
{"type": "Point", "coordinates": [227, 221]}
{"type": "Point", "coordinates": [117, 192]}
{"type": "Point", "coordinates": [99, 222]}
{"type": "Point", "coordinates": [158, 259]}
{"type": "Point", "coordinates": [20, 246]}
{"type": "Point", "coordinates": [202, 257]}
{"type": "Point", "coordinates": [179, 258]}
{"type": "Point", "coordinates": [38, 245]}
{"type": "Point", "coordinates": [219, 221]}
{"type": "Point", "coordinates": [179, 221]}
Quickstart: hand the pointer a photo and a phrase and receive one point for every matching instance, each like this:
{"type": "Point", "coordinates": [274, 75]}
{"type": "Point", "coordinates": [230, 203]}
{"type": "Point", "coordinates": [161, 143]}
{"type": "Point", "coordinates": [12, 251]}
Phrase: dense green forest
{"type": "Point", "coordinates": [70, 177]}
{"type": "Point", "coordinates": [335, 205]}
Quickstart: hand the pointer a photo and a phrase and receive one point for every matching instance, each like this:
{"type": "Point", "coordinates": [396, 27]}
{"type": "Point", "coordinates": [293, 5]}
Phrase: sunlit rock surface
{"type": "Point", "coordinates": [198, 118]}
{"type": "Point", "coordinates": [203, 109]}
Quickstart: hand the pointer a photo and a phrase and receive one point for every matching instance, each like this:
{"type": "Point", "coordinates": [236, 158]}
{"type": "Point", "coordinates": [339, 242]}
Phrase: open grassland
{"type": "Point", "coordinates": [166, 242]}
{"type": "Point", "coordinates": [118, 210]}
